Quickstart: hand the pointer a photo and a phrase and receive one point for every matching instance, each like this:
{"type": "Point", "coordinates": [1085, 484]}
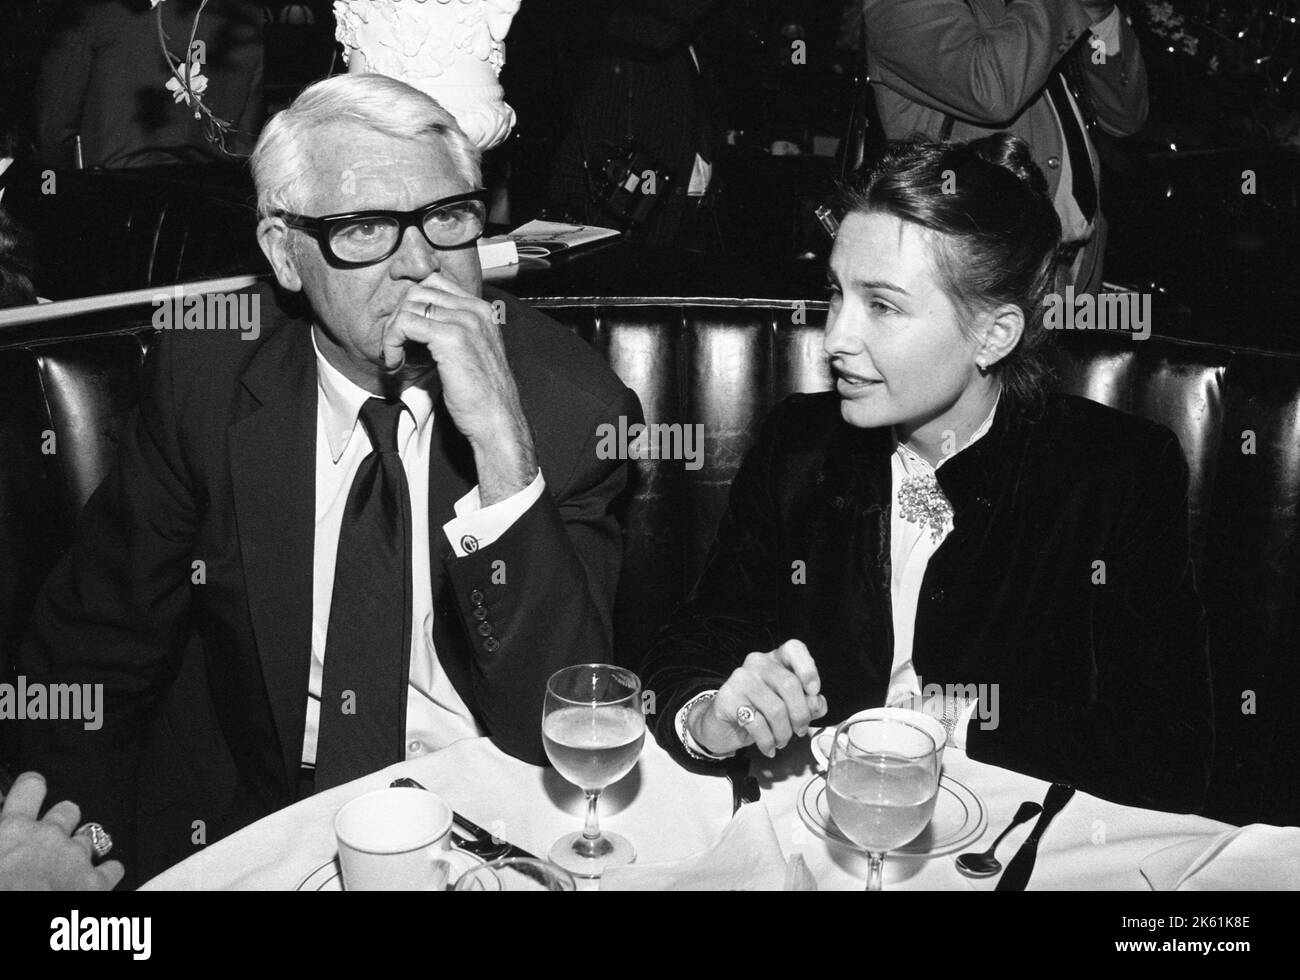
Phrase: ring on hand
{"type": "Point", "coordinates": [100, 841]}
{"type": "Point", "coordinates": [744, 715]}
{"type": "Point", "coordinates": [428, 311]}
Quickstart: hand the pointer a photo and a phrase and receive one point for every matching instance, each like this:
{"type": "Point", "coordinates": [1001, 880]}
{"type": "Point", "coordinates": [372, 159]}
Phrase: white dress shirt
{"type": "Point", "coordinates": [910, 549]}
{"type": "Point", "coordinates": [436, 715]}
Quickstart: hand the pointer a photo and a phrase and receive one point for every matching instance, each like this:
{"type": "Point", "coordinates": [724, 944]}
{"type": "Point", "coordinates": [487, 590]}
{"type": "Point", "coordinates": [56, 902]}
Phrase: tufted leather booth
{"type": "Point", "coordinates": [724, 363]}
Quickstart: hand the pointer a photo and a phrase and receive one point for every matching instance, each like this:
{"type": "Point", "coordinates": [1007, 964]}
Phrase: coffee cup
{"type": "Point", "coordinates": [395, 839]}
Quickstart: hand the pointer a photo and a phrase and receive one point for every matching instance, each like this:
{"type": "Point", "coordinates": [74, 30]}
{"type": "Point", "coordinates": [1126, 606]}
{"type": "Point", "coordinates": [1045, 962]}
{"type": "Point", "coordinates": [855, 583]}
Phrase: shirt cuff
{"type": "Point", "coordinates": [1106, 30]}
{"type": "Point", "coordinates": [694, 748]}
{"type": "Point", "coordinates": [476, 526]}
{"type": "Point", "coordinates": [963, 721]}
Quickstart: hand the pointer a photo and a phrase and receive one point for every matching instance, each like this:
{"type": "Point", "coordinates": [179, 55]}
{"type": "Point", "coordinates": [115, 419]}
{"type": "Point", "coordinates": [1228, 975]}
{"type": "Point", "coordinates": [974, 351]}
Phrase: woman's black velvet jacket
{"type": "Point", "coordinates": [1066, 582]}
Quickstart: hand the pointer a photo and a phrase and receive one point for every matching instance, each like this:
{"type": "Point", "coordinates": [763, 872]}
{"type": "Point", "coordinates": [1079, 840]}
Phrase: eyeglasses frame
{"type": "Point", "coordinates": [318, 228]}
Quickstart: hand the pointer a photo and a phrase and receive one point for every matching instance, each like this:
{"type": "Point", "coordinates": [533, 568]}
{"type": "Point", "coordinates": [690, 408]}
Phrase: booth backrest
{"type": "Point", "coordinates": [723, 364]}
{"type": "Point", "coordinates": [102, 231]}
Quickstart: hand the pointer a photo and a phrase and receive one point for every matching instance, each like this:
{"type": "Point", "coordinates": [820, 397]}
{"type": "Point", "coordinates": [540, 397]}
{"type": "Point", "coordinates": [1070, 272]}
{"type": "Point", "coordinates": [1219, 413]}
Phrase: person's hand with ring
{"type": "Point", "coordinates": [464, 340]}
{"type": "Point", "coordinates": [768, 700]}
{"type": "Point", "coordinates": [50, 853]}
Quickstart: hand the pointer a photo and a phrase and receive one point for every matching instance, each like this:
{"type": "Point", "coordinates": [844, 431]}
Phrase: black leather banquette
{"type": "Point", "coordinates": [724, 363]}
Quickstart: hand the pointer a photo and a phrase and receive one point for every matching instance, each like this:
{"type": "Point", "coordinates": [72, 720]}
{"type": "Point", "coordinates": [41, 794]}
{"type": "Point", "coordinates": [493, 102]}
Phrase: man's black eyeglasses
{"type": "Point", "coordinates": [361, 238]}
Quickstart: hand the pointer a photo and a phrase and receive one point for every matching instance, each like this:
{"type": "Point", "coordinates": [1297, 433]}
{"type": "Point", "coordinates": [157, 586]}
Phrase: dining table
{"type": "Point", "coordinates": [671, 814]}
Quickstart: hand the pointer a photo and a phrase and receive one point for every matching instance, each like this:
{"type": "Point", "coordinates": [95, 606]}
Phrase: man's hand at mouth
{"type": "Point", "coordinates": [478, 387]}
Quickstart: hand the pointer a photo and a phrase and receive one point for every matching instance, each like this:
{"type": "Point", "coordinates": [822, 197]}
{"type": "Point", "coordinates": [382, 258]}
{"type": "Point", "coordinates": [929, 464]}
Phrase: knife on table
{"type": "Point", "coordinates": [475, 830]}
{"type": "Point", "coordinates": [514, 850]}
{"type": "Point", "coordinates": [744, 787]}
{"type": "Point", "coordinates": [1018, 872]}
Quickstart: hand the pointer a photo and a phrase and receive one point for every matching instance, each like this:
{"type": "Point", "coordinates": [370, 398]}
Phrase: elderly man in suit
{"type": "Point", "coordinates": [384, 521]}
{"type": "Point", "coordinates": [1046, 70]}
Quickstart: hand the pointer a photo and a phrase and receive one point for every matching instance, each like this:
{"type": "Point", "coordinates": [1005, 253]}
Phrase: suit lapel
{"type": "Point", "coordinates": [273, 472]}
{"type": "Point", "coordinates": [451, 476]}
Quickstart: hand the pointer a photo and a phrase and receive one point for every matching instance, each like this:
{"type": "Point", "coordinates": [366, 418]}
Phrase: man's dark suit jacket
{"type": "Point", "coordinates": [218, 467]}
{"type": "Point", "coordinates": [1102, 684]}
{"type": "Point", "coordinates": [982, 65]}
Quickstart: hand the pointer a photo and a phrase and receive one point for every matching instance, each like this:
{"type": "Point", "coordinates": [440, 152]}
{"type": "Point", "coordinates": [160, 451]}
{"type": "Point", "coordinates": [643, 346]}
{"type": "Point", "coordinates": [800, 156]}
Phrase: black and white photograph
{"type": "Point", "coordinates": [651, 446]}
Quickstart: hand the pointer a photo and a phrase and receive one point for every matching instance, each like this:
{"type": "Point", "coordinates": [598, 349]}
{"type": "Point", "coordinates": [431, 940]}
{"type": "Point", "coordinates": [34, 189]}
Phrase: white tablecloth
{"type": "Point", "coordinates": [670, 814]}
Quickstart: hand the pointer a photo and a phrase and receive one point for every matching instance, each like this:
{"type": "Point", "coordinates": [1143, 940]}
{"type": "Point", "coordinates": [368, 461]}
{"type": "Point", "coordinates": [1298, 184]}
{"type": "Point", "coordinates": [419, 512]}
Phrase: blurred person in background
{"type": "Point", "coordinates": [104, 79]}
{"type": "Point", "coordinates": [1049, 72]}
{"type": "Point", "coordinates": [17, 155]}
{"type": "Point", "coordinates": [644, 99]}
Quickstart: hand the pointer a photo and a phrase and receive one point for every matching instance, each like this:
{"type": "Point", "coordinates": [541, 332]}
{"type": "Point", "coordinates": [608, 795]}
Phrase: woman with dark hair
{"type": "Point", "coordinates": [939, 531]}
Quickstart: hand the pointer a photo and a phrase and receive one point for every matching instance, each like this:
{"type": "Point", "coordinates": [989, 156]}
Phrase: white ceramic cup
{"type": "Point", "coordinates": [395, 839]}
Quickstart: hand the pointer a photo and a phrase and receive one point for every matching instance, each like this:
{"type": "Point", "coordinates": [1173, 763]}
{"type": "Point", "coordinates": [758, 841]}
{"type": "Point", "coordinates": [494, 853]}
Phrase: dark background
{"type": "Point", "coordinates": [1223, 91]}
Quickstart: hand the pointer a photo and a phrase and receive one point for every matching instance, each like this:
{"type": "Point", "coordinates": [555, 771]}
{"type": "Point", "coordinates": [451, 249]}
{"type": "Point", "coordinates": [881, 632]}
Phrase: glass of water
{"type": "Point", "coordinates": [881, 782]}
{"type": "Point", "coordinates": [593, 730]}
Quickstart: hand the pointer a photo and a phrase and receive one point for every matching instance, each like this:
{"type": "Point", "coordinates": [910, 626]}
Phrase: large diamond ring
{"type": "Point", "coordinates": [428, 311]}
{"type": "Point", "coordinates": [744, 715]}
{"type": "Point", "coordinates": [100, 841]}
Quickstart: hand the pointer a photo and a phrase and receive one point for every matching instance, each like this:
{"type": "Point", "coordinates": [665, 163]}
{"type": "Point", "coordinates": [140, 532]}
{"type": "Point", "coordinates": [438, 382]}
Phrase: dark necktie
{"type": "Point", "coordinates": [367, 647]}
{"type": "Point", "coordinates": [1082, 183]}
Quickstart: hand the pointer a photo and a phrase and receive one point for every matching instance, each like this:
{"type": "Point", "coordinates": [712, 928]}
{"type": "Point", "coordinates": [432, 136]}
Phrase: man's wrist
{"type": "Point", "coordinates": [506, 462]}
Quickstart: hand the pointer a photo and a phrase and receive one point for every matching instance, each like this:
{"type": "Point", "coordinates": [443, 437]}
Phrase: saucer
{"type": "Point", "coordinates": [329, 878]}
{"type": "Point", "coordinates": [959, 819]}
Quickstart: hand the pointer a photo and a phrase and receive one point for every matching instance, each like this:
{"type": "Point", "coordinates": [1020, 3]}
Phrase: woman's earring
{"type": "Point", "coordinates": [979, 363]}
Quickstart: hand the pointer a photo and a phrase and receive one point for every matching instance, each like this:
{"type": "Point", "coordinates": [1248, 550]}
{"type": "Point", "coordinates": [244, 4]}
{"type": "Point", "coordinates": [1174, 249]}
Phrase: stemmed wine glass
{"type": "Point", "coordinates": [593, 730]}
{"type": "Point", "coordinates": [881, 782]}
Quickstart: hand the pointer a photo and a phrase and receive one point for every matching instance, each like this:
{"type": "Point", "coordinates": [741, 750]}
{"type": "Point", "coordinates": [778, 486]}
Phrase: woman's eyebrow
{"type": "Point", "coordinates": [879, 284]}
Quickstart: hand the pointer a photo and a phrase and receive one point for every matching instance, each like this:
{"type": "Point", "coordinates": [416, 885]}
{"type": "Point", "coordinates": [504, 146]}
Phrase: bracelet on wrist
{"type": "Point", "coordinates": [688, 741]}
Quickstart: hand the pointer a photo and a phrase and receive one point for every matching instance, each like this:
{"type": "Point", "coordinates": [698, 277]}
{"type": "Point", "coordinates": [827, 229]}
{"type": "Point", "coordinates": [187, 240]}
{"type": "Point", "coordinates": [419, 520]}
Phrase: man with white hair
{"type": "Point", "coordinates": [383, 522]}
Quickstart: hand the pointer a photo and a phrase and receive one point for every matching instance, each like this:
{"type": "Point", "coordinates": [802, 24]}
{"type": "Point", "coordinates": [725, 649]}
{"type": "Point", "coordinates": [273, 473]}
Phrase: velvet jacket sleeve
{"type": "Point", "coordinates": [115, 611]}
{"type": "Point", "coordinates": [732, 611]}
{"type": "Point", "coordinates": [1144, 736]}
{"type": "Point", "coordinates": [545, 590]}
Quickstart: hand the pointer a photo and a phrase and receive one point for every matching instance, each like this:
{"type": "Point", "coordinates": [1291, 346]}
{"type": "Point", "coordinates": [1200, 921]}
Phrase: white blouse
{"type": "Point", "coordinates": [911, 546]}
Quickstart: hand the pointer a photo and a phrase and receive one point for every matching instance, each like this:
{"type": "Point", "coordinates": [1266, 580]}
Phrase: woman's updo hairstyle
{"type": "Point", "coordinates": [997, 233]}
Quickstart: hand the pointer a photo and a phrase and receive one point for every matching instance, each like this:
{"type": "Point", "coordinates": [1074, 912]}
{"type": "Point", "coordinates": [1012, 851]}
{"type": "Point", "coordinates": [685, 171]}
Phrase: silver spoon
{"type": "Point", "coordinates": [985, 865]}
